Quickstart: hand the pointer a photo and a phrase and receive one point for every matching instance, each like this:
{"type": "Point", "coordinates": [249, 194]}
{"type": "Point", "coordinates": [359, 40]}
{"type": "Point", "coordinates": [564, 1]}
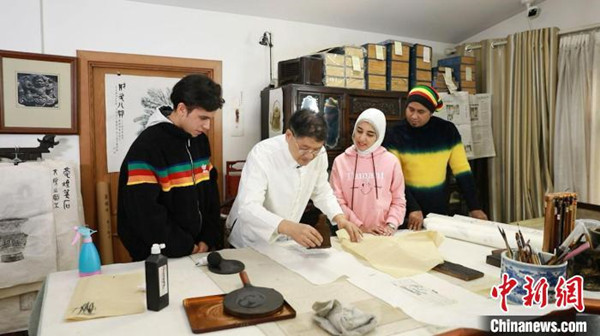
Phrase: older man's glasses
{"type": "Point", "coordinates": [306, 152]}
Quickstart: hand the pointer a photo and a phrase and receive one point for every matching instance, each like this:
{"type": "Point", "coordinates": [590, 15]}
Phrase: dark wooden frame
{"type": "Point", "coordinates": [71, 108]}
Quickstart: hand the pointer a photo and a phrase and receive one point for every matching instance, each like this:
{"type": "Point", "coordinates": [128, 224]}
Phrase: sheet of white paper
{"type": "Point", "coordinates": [449, 81]}
{"type": "Point", "coordinates": [479, 231]}
{"type": "Point", "coordinates": [185, 281]}
{"type": "Point", "coordinates": [426, 55]}
{"type": "Point", "coordinates": [321, 267]}
{"type": "Point", "coordinates": [68, 210]}
{"type": "Point", "coordinates": [472, 116]}
{"type": "Point", "coordinates": [429, 299]}
{"type": "Point", "coordinates": [379, 52]}
{"type": "Point", "coordinates": [481, 125]}
{"type": "Point", "coordinates": [398, 48]}
{"type": "Point", "coordinates": [27, 230]}
{"type": "Point", "coordinates": [456, 108]}
{"type": "Point", "coordinates": [355, 63]}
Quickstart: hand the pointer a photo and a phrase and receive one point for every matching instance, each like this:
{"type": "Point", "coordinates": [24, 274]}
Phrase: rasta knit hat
{"type": "Point", "coordinates": [427, 96]}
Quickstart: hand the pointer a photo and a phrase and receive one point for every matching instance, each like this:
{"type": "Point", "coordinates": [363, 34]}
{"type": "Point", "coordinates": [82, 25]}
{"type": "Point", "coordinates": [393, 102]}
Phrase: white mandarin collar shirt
{"type": "Point", "coordinates": [274, 187]}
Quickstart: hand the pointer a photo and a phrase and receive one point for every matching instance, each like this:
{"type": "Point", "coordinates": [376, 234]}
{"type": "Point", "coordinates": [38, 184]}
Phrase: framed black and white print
{"type": "Point", "coordinates": [38, 93]}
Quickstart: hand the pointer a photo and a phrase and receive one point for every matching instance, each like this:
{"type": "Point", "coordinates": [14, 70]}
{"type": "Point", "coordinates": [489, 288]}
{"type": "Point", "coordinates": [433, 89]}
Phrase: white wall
{"type": "Point", "coordinates": [564, 14]}
{"type": "Point", "coordinates": [139, 28]}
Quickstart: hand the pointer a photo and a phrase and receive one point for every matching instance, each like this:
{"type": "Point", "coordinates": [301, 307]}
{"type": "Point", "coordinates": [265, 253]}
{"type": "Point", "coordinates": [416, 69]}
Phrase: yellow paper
{"type": "Point", "coordinates": [107, 295]}
{"type": "Point", "coordinates": [399, 256]}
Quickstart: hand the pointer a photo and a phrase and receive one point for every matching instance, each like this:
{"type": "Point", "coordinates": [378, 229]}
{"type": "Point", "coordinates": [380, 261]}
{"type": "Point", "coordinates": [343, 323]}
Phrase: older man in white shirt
{"type": "Point", "coordinates": [281, 174]}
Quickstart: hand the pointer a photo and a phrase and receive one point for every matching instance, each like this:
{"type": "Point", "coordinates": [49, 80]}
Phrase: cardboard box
{"type": "Point", "coordinates": [334, 81]}
{"type": "Point", "coordinates": [348, 51]}
{"type": "Point", "coordinates": [398, 69]}
{"type": "Point", "coordinates": [423, 83]}
{"type": "Point", "coordinates": [336, 59]}
{"type": "Point", "coordinates": [397, 84]}
{"type": "Point", "coordinates": [355, 83]}
{"type": "Point", "coordinates": [375, 51]}
{"type": "Point", "coordinates": [464, 68]}
{"type": "Point", "coordinates": [375, 82]}
{"type": "Point", "coordinates": [397, 50]}
{"type": "Point", "coordinates": [421, 57]}
{"type": "Point", "coordinates": [375, 67]}
{"type": "Point", "coordinates": [470, 90]}
{"type": "Point", "coordinates": [423, 75]}
{"type": "Point", "coordinates": [341, 71]}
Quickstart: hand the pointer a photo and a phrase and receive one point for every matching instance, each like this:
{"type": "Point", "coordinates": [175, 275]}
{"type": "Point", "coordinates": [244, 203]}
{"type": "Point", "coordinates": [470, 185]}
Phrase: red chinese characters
{"type": "Point", "coordinates": [537, 293]}
{"type": "Point", "coordinates": [570, 292]}
{"type": "Point", "coordinates": [503, 290]}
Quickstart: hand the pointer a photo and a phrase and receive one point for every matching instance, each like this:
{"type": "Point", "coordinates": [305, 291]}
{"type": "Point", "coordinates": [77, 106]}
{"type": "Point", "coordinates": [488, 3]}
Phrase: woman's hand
{"type": "Point", "coordinates": [353, 230]}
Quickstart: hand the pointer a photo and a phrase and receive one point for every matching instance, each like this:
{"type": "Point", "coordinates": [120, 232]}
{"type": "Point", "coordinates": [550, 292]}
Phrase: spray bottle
{"type": "Point", "coordinates": [89, 260]}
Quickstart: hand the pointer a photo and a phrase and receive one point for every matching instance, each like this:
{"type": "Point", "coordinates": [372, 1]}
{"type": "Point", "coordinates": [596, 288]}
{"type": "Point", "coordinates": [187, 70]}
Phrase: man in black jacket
{"type": "Point", "coordinates": [167, 185]}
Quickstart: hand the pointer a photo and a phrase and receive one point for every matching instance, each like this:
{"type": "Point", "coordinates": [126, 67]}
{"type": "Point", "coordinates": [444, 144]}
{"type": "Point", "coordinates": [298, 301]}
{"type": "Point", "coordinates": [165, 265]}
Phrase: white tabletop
{"type": "Point", "coordinates": [188, 280]}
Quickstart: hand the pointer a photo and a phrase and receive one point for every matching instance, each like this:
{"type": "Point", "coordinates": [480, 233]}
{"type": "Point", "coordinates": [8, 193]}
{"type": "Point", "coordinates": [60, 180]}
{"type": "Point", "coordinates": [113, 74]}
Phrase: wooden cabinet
{"type": "Point", "coordinates": [340, 106]}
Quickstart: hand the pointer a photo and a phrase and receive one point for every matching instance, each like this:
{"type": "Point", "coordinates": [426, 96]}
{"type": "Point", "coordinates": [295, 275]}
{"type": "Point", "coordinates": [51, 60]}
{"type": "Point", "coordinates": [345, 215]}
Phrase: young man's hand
{"type": "Point", "coordinates": [303, 234]}
{"type": "Point", "coordinates": [479, 214]}
{"type": "Point", "coordinates": [201, 247]}
{"type": "Point", "coordinates": [415, 220]}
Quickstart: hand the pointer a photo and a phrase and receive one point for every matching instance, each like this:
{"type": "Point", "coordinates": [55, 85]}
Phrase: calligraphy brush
{"type": "Point", "coordinates": [508, 249]}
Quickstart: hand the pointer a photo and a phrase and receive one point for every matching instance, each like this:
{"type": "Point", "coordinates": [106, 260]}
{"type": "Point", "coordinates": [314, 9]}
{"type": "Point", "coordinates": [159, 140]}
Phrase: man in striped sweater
{"type": "Point", "coordinates": [167, 185]}
{"type": "Point", "coordinates": [425, 146]}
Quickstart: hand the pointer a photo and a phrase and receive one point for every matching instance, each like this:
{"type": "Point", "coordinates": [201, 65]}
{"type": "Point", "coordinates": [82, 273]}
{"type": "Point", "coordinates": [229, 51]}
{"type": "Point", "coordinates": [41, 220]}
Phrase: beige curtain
{"type": "Point", "coordinates": [573, 114]}
{"type": "Point", "coordinates": [494, 68]}
{"type": "Point", "coordinates": [594, 168]}
{"type": "Point", "coordinates": [529, 111]}
{"type": "Point", "coordinates": [520, 73]}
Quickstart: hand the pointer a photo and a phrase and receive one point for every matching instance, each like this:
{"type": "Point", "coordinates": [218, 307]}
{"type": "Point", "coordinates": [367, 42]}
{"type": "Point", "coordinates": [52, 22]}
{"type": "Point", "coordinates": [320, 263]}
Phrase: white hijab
{"type": "Point", "coordinates": [377, 119]}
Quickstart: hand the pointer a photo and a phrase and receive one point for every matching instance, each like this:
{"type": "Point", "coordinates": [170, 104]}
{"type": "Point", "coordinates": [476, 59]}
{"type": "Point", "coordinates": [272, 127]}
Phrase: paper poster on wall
{"type": "Point", "coordinates": [467, 139]}
{"type": "Point", "coordinates": [237, 117]}
{"type": "Point", "coordinates": [480, 107]}
{"type": "Point", "coordinates": [130, 101]}
{"type": "Point", "coordinates": [472, 116]}
{"type": "Point", "coordinates": [456, 110]}
{"type": "Point", "coordinates": [275, 112]}
{"type": "Point", "coordinates": [27, 232]}
{"type": "Point", "coordinates": [67, 208]}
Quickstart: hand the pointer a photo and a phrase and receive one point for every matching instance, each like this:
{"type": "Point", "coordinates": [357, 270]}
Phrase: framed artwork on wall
{"type": "Point", "coordinates": [38, 93]}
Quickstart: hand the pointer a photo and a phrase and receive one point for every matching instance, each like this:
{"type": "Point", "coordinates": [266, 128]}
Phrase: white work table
{"type": "Point", "coordinates": [188, 280]}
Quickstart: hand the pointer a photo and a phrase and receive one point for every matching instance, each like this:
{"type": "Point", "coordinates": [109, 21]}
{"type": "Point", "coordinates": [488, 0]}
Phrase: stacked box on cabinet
{"type": "Point", "coordinates": [465, 66]}
{"type": "Point", "coordinates": [420, 65]}
{"type": "Point", "coordinates": [397, 65]}
{"type": "Point", "coordinates": [375, 66]}
{"type": "Point", "coordinates": [306, 70]}
{"type": "Point", "coordinates": [438, 73]}
{"type": "Point", "coordinates": [353, 62]}
{"type": "Point", "coordinates": [334, 69]}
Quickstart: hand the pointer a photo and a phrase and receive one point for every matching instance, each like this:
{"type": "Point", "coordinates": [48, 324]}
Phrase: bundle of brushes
{"type": "Point", "coordinates": [525, 253]}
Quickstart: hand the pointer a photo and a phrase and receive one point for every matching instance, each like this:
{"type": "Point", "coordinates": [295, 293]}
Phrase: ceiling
{"type": "Point", "coordinates": [449, 21]}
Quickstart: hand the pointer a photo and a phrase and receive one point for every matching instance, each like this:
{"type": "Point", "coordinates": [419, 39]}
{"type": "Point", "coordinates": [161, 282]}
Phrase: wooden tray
{"type": "Point", "coordinates": [206, 314]}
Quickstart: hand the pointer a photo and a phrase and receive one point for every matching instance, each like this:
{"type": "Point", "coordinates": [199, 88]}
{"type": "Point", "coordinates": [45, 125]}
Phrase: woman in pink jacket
{"type": "Point", "coordinates": [368, 181]}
